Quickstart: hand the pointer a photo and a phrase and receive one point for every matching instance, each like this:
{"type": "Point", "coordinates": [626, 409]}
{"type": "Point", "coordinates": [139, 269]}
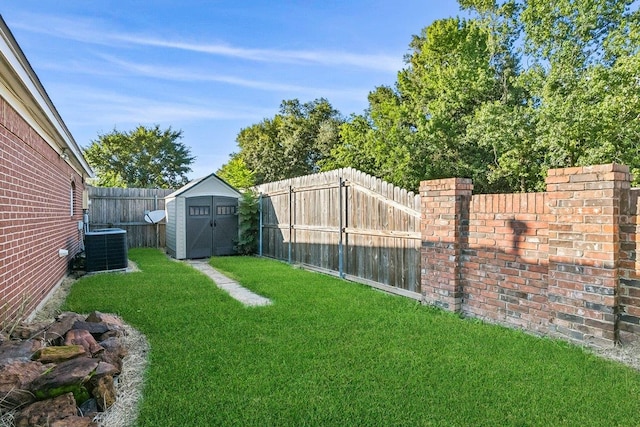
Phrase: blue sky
{"type": "Point", "coordinates": [211, 68]}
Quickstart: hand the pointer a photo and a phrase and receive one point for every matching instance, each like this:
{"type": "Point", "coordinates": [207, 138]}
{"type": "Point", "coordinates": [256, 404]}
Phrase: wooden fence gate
{"type": "Point", "coordinates": [347, 223]}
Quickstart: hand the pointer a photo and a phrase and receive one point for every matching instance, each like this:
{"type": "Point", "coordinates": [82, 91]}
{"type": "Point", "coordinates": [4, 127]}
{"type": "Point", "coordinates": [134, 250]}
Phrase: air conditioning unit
{"type": "Point", "coordinates": [106, 249]}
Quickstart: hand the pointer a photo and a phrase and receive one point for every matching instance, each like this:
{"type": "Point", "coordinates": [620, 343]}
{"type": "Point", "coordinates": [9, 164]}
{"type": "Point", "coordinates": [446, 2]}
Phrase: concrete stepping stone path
{"type": "Point", "coordinates": [232, 287]}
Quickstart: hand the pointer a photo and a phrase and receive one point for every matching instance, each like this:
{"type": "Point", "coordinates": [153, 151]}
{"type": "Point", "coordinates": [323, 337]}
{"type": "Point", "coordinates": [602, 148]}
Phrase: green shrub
{"type": "Point", "coordinates": [248, 212]}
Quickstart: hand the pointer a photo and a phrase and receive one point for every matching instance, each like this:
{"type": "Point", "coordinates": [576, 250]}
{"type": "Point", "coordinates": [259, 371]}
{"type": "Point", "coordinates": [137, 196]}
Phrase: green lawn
{"type": "Point", "coordinates": [334, 353]}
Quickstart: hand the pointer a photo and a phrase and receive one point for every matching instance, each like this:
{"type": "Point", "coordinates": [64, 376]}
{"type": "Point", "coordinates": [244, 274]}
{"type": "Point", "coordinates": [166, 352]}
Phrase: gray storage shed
{"type": "Point", "coordinates": [202, 219]}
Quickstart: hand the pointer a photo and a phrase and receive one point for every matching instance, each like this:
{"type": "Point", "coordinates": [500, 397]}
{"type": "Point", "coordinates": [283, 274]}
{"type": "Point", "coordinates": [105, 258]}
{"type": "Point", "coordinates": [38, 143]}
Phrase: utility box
{"type": "Point", "coordinates": [106, 249]}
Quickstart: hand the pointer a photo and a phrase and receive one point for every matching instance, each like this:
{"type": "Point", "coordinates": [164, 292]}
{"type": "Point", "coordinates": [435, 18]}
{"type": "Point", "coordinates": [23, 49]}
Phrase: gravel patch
{"type": "Point", "coordinates": [628, 353]}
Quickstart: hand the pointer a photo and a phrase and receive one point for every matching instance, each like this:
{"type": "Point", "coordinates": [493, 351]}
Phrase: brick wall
{"type": "Point", "coordinates": [444, 229]}
{"type": "Point", "coordinates": [629, 301]}
{"type": "Point", "coordinates": [561, 262]}
{"type": "Point", "coordinates": [506, 262]}
{"type": "Point", "coordinates": [35, 215]}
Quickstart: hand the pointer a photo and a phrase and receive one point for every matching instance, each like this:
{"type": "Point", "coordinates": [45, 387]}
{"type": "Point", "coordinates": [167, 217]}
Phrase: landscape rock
{"type": "Point", "coordinates": [115, 327]}
{"type": "Point", "coordinates": [113, 333]}
{"type": "Point", "coordinates": [94, 328]}
{"type": "Point", "coordinates": [85, 339]}
{"type": "Point", "coordinates": [19, 350]}
{"type": "Point", "coordinates": [74, 421]}
{"type": "Point", "coordinates": [104, 391]}
{"type": "Point", "coordinates": [25, 331]}
{"type": "Point", "coordinates": [59, 353]}
{"type": "Point", "coordinates": [89, 408]}
{"type": "Point", "coordinates": [15, 379]}
{"type": "Point", "coordinates": [69, 376]}
{"type": "Point", "coordinates": [44, 412]}
{"type": "Point", "coordinates": [109, 319]}
{"type": "Point", "coordinates": [105, 369]}
{"type": "Point", "coordinates": [43, 384]}
{"type": "Point", "coordinates": [63, 324]}
{"type": "Point", "coordinates": [113, 352]}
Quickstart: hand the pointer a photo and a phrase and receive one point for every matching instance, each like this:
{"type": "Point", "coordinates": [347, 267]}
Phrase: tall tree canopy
{"type": "Point", "coordinates": [293, 143]}
{"type": "Point", "coordinates": [515, 88]}
{"type": "Point", "coordinates": [378, 142]}
{"type": "Point", "coordinates": [419, 129]}
{"type": "Point", "coordinates": [579, 90]}
{"type": "Point", "coordinates": [142, 158]}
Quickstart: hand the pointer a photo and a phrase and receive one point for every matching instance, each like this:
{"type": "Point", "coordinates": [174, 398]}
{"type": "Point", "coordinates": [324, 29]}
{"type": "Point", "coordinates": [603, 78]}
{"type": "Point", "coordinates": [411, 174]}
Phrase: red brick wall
{"type": "Point", "coordinates": [630, 265]}
{"type": "Point", "coordinates": [562, 263]}
{"type": "Point", "coordinates": [35, 215]}
{"type": "Point", "coordinates": [444, 228]}
{"type": "Point", "coordinates": [584, 250]}
{"type": "Point", "coordinates": [505, 264]}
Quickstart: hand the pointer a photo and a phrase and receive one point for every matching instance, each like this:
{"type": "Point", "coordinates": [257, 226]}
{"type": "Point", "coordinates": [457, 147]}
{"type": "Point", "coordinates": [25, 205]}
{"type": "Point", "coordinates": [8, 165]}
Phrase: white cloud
{"type": "Point", "coordinates": [321, 57]}
{"type": "Point", "coordinates": [94, 107]}
{"type": "Point", "coordinates": [96, 32]}
{"type": "Point", "coordinates": [184, 74]}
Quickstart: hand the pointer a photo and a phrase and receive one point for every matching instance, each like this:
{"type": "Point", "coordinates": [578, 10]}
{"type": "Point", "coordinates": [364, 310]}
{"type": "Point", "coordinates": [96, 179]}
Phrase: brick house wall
{"type": "Point", "coordinates": [35, 215]}
{"type": "Point", "coordinates": [562, 263]}
{"type": "Point", "coordinates": [42, 176]}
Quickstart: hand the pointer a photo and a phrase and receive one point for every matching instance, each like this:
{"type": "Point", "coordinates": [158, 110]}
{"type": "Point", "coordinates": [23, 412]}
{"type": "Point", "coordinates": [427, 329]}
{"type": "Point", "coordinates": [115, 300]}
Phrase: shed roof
{"type": "Point", "coordinates": [198, 181]}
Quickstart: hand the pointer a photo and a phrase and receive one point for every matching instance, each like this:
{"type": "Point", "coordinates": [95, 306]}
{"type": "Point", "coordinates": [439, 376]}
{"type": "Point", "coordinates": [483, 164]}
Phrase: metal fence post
{"type": "Point", "coordinates": [290, 220]}
{"type": "Point", "coordinates": [260, 225]}
{"type": "Point", "coordinates": [340, 248]}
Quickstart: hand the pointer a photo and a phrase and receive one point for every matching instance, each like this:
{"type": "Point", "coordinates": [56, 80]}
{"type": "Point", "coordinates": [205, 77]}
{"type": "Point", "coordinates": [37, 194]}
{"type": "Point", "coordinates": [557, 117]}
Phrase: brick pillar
{"type": "Point", "coordinates": [584, 250]}
{"type": "Point", "coordinates": [445, 230]}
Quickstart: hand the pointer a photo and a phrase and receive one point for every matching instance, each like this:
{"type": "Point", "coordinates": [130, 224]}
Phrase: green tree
{"type": "Point", "coordinates": [516, 88]}
{"type": "Point", "coordinates": [236, 173]}
{"type": "Point", "coordinates": [293, 143]}
{"type": "Point", "coordinates": [143, 158]}
{"type": "Point", "coordinates": [377, 142]}
{"type": "Point", "coordinates": [578, 93]}
{"type": "Point", "coordinates": [510, 133]}
{"type": "Point", "coordinates": [589, 95]}
{"type": "Point", "coordinates": [419, 130]}
{"type": "Point", "coordinates": [457, 66]}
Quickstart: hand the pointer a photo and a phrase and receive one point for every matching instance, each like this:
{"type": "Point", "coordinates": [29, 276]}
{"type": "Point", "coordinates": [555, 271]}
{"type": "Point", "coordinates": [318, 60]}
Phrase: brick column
{"type": "Point", "coordinates": [584, 250]}
{"type": "Point", "coordinates": [445, 230]}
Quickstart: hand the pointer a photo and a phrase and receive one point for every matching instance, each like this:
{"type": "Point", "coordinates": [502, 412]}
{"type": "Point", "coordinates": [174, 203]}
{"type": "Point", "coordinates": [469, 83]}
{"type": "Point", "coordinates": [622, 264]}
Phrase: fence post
{"type": "Point", "coordinates": [445, 228]}
{"type": "Point", "coordinates": [155, 207]}
{"type": "Point", "coordinates": [341, 230]}
{"type": "Point", "coordinates": [260, 224]}
{"type": "Point", "coordinates": [584, 251]}
{"type": "Point", "coordinates": [345, 226]}
{"type": "Point", "coordinates": [290, 221]}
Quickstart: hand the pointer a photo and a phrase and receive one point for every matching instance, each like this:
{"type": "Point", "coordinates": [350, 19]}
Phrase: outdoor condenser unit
{"type": "Point", "coordinates": [106, 249]}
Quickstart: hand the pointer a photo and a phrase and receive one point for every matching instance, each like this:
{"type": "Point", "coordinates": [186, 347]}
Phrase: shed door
{"type": "Point", "coordinates": [225, 225]}
{"type": "Point", "coordinates": [212, 226]}
{"type": "Point", "coordinates": [199, 212]}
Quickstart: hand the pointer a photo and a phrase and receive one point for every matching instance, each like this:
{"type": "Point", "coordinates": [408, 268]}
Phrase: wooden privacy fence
{"type": "Point", "coordinates": [124, 208]}
{"type": "Point", "coordinates": [347, 223]}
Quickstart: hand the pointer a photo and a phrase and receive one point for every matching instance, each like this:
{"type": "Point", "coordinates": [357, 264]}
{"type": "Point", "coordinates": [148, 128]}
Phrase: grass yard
{"type": "Point", "coordinates": [334, 353]}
